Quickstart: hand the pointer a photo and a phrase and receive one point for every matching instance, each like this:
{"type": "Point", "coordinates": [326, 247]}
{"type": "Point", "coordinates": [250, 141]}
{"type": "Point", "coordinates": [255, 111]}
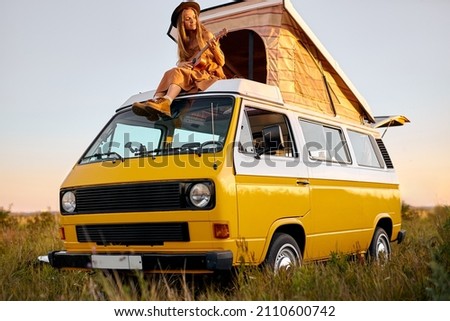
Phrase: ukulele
{"type": "Point", "coordinates": [197, 61]}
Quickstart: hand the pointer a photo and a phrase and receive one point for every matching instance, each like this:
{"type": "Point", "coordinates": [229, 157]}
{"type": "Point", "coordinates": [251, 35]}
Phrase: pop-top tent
{"type": "Point", "coordinates": [269, 42]}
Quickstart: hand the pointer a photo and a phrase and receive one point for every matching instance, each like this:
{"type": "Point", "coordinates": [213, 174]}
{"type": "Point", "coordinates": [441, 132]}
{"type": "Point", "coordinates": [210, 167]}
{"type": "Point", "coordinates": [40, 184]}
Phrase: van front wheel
{"type": "Point", "coordinates": [380, 247]}
{"type": "Point", "coordinates": [283, 254]}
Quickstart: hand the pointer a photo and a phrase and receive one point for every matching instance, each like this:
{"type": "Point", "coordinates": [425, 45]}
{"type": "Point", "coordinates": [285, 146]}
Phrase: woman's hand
{"type": "Point", "coordinates": [214, 46]}
{"type": "Point", "coordinates": [213, 43]}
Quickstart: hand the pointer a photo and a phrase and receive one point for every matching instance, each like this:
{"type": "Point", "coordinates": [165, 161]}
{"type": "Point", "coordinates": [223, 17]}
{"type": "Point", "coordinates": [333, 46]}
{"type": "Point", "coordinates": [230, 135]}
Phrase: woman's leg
{"type": "Point", "coordinates": [160, 102]}
{"type": "Point", "coordinates": [173, 91]}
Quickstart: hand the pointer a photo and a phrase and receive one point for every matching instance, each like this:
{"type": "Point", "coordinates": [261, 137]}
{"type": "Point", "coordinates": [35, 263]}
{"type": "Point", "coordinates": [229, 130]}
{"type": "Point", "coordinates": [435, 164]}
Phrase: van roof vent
{"type": "Point", "coordinates": [384, 152]}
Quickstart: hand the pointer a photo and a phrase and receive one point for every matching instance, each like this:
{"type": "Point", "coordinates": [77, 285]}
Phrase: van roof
{"type": "Point", "coordinates": [243, 87]}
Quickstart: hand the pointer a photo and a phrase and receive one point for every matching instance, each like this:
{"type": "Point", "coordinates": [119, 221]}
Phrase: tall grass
{"type": "Point", "coordinates": [418, 270]}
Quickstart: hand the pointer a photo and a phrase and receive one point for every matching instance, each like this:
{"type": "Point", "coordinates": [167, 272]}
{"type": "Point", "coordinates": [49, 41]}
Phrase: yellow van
{"type": "Point", "coordinates": [234, 178]}
{"type": "Point", "coordinates": [257, 169]}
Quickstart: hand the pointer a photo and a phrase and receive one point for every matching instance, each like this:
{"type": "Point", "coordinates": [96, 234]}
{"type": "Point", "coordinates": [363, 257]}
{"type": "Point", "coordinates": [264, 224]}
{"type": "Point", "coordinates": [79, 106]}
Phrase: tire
{"type": "Point", "coordinates": [283, 254]}
{"type": "Point", "coordinates": [380, 247]}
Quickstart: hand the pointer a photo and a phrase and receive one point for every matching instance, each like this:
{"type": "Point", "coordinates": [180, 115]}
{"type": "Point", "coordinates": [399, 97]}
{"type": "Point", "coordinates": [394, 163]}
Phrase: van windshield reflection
{"type": "Point", "coordinates": [197, 125]}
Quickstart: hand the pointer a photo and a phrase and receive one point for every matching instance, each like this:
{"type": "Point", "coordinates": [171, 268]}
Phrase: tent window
{"type": "Point", "coordinates": [245, 55]}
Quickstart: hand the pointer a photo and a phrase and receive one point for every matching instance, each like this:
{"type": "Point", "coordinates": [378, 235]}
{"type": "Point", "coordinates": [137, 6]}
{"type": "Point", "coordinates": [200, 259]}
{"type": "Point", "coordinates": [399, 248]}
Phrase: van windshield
{"type": "Point", "coordinates": [197, 125]}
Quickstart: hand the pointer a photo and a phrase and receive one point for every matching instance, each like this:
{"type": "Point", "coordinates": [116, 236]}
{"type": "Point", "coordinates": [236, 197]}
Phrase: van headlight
{"type": "Point", "coordinates": [200, 195]}
{"type": "Point", "coordinates": [68, 202]}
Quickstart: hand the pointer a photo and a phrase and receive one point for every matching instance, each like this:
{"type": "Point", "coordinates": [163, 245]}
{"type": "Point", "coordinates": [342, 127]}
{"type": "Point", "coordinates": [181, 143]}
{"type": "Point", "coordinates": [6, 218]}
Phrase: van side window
{"type": "Point", "coordinates": [324, 142]}
{"type": "Point", "coordinates": [265, 133]}
{"type": "Point", "coordinates": [363, 146]}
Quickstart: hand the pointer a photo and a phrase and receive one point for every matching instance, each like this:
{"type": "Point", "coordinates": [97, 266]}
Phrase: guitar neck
{"type": "Point", "coordinates": [217, 36]}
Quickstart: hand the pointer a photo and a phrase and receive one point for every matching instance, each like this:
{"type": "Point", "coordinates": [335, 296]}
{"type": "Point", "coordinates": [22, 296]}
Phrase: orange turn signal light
{"type": "Point", "coordinates": [62, 233]}
{"type": "Point", "coordinates": [221, 231]}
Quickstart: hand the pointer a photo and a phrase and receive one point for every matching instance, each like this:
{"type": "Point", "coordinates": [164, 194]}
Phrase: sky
{"type": "Point", "coordinates": [66, 66]}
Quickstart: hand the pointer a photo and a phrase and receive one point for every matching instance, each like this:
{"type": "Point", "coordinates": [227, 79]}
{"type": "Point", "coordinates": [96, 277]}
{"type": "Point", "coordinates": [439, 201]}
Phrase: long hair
{"type": "Point", "coordinates": [183, 38]}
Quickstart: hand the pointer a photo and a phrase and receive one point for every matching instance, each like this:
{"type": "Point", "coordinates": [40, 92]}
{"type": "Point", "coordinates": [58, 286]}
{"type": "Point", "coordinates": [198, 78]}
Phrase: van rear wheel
{"type": "Point", "coordinates": [284, 253]}
{"type": "Point", "coordinates": [380, 247]}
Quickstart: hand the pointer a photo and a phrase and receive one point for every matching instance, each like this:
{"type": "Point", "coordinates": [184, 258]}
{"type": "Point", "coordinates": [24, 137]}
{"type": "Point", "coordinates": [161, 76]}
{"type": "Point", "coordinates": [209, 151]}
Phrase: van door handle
{"type": "Point", "coordinates": [302, 182]}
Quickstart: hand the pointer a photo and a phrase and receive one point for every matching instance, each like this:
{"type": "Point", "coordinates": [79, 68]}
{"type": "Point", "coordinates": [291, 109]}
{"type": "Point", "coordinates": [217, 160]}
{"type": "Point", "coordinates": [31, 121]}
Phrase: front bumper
{"type": "Point", "coordinates": [150, 262]}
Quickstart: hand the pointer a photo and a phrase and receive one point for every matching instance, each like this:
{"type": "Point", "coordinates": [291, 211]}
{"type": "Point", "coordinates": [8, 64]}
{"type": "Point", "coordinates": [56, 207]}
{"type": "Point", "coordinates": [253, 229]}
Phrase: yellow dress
{"type": "Point", "coordinates": [193, 80]}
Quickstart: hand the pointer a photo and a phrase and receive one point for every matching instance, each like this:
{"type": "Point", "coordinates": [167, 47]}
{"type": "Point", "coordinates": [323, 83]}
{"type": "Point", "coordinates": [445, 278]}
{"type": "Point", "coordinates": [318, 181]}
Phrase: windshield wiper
{"type": "Point", "coordinates": [109, 156]}
{"type": "Point", "coordinates": [152, 152]}
{"type": "Point", "coordinates": [194, 147]}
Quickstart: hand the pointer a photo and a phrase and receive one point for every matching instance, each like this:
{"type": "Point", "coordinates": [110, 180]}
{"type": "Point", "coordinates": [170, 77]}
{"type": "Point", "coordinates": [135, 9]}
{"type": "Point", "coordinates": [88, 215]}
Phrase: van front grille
{"type": "Point", "coordinates": [133, 234]}
{"type": "Point", "coordinates": [161, 196]}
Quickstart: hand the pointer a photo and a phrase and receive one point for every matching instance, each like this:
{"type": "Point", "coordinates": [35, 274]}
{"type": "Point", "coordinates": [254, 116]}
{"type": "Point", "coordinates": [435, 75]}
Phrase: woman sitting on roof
{"type": "Point", "coordinates": [192, 37]}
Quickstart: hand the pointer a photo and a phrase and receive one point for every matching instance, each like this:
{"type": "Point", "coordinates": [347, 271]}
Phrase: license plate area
{"type": "Point", "coordinates": [117, 262]}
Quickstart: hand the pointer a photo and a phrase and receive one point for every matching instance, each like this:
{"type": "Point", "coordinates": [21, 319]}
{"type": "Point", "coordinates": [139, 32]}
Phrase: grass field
{"type": "Point", "coordinates": [418, 270]}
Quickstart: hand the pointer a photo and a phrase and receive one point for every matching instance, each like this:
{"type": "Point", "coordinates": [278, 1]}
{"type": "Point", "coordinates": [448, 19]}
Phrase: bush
{"type": "Point", "coordinates": [440, 264]}
{"type": "Point", "coordinates": [409, 213]}
{"type": "Point", "coordinates": [5, 218]}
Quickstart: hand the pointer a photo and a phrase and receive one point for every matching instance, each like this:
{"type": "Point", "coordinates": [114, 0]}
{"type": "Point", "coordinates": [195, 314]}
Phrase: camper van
{"type": "Point", "coordinates": [280, 164]}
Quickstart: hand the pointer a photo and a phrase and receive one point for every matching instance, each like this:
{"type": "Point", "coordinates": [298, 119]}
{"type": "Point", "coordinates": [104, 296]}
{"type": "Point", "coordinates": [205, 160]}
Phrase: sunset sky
{"type": "Point", "coordinates": [65, 66]}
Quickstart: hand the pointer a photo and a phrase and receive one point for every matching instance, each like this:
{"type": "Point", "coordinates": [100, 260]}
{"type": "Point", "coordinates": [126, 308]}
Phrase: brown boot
{"type": "Point", "coordinates": [139, 109]}
{"type": "Point", "coordinates": [161, 105]}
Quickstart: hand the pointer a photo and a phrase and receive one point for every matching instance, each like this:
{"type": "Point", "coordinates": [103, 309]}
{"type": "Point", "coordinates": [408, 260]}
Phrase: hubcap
{"type": "Point", "coordinates": [382, 251]}
{"type": "Point", "coordinates": [287, 257]}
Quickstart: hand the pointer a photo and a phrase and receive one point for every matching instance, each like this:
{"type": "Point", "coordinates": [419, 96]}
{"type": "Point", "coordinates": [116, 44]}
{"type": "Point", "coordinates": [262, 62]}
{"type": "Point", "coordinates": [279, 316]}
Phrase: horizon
{"type": "Point", "coordinates": [63, 76]}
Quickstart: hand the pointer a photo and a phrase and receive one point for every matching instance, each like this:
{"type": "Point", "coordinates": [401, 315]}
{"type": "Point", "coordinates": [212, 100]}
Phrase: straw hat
{"type": "Point", "coordinates": [184, 5]}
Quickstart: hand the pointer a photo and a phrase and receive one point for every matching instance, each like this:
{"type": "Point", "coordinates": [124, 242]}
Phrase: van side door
{"type": "Point", "coordinates": [271, 180]}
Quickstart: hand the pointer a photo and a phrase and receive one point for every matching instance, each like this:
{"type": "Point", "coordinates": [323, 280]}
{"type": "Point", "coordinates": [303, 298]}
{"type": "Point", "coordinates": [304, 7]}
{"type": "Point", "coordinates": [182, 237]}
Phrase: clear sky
{"type": "Point", "coordinates": [65, 66]}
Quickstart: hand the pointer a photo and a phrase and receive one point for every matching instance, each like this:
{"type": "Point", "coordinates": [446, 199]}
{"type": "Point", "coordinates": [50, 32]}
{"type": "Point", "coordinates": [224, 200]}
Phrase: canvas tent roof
{"type": "Point", "coordinates": [269, 42]}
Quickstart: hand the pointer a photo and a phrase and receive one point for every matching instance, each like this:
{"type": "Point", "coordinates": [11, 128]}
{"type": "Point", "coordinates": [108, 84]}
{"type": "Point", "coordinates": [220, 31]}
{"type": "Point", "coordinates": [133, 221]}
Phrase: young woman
{"type": "Point", "coordinates": [192, 37]}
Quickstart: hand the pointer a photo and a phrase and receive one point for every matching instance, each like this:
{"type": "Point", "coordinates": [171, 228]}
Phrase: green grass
{"type": "Point", "coordinates": [418, 270]}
